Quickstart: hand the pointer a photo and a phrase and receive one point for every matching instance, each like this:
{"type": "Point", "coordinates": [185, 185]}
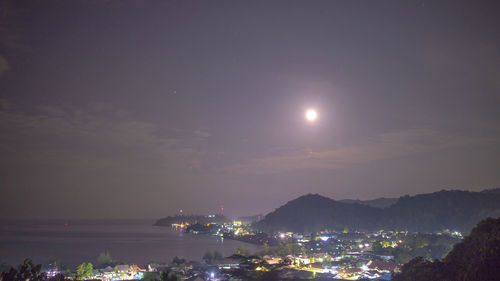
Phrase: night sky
{"type": "Point", "coordinates": [136, 109]}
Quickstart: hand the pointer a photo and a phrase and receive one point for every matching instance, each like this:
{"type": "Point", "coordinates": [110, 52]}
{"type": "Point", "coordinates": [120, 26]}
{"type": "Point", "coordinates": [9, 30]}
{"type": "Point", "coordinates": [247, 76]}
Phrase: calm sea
{"type": "Point", "coordinates": [130, 241]}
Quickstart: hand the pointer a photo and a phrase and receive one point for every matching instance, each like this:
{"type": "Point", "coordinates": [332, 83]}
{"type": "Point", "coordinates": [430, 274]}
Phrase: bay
{"type": "Point", "coordinates": [72, 242]}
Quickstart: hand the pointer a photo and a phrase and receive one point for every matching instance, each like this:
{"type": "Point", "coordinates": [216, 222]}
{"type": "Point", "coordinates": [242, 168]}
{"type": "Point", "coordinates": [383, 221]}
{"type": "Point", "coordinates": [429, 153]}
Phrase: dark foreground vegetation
{"type": "Point", "coordinates": [29, 271]}
{"type": "Point", "coordinates": [476, 258]}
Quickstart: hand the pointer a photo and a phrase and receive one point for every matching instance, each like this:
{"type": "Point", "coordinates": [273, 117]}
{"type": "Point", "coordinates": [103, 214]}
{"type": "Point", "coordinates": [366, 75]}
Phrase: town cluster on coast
{"type": "Point", "coordinates": [338, 254]}
{"type": "Point", "coordinates": [334, 254]}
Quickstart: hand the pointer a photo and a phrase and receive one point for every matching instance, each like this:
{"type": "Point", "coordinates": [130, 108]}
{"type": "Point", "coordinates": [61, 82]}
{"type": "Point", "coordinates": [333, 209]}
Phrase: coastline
{"type": "Point", "coordinates": [134, 242]}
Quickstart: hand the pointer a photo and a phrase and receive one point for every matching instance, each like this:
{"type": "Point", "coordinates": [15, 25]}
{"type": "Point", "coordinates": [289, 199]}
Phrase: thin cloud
{"type": "Point", "coordinates": [202, 133]}
{"type": "Point", "coordinates": [383, 146]}
{"type": "Point", "coordinates": [97, 137]}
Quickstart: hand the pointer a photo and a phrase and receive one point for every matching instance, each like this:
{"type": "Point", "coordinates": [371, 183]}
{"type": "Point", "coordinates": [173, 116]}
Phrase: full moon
{"type": "Point", "coordinates": [311, 115]}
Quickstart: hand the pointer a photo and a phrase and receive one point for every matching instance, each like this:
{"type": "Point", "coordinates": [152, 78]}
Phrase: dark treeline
{"type": "Point", "coordinates": [29, 271]}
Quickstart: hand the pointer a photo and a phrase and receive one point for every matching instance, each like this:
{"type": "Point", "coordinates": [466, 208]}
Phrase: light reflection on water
{"type": "Point", "coordinates": [130, 241]}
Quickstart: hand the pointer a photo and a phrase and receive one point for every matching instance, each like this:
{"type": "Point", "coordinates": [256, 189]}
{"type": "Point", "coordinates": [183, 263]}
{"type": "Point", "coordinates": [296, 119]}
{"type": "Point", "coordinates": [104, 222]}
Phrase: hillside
{"type": "Point", "coordinates": [313, 212]}
{"type": "Point", "coordinates": [453, 210]}
{"type": "Point", "coordinates": [492, 191]}
{"type": "Point", "coordinates": [377, 203]}
{"type": "Point", "coordinates": [476, 258]}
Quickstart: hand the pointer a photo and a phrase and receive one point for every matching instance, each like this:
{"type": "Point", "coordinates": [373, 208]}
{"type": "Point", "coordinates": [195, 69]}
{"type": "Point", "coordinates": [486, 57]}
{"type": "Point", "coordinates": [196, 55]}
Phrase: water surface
{"type": "Point", "coordinates": [130, 241]}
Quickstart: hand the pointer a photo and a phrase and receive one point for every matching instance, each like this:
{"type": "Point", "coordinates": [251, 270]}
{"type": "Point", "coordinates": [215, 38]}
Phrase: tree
{"type": "Point", "coordinates": [4, 266]}
{"type": "Point", "coordinates": [104, 259]}
{"type": "Point", "coordinates": [327, 260]}
{"type": "Point", "coordinates": [169, 276]}
{"type": "Point", "coordinates": [208, 256]}
{"type": "Point", "coordinates": [218, 256]}
{"type": "Point", "coordinates": [265, 248]}
{"type": "Point", "coordinates": [303, 250]}
{"type": "Point", "coordinates": [288, 249]}
{"type": "Point", "coordinates": [26, 271]}
{"type": "Point", "coordinates": [401, 255]}
{"type": "Point", "coordinates": [178, 261]}
{"type": "Point", "coordinates": [377, 247]}
{"type": "Point", "coordinates": [84, 270]}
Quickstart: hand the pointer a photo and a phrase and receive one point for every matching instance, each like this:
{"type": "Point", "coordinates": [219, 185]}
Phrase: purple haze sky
{"type": "Point", "coordinates": [135, 109]}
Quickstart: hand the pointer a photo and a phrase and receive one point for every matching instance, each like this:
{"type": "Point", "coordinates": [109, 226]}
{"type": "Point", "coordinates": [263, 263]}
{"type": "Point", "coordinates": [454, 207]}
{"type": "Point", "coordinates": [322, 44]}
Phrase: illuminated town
{"type": "Point", "coordinates": [333, 255]}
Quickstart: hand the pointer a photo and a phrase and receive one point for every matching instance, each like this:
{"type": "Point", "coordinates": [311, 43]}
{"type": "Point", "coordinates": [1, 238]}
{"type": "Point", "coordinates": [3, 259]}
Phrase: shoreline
{"type": "Point", "coordinates": [136, 243]}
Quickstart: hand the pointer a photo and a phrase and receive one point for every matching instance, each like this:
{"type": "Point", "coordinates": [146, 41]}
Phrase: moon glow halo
{"type": "Point", "coordinates": [311, 115]}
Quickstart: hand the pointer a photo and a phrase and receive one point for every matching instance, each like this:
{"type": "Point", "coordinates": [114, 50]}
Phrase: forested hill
{"type": "Point", "coordinates": [453, 210]}
{"type": "Point", "coordinates": [313, 212]}
{"type": "Point", "coordinates": [377, 203]}
{"type": "Point", "coordinates": [476, 258]}
{"type": "Point", "coordinates": [492, 191]}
